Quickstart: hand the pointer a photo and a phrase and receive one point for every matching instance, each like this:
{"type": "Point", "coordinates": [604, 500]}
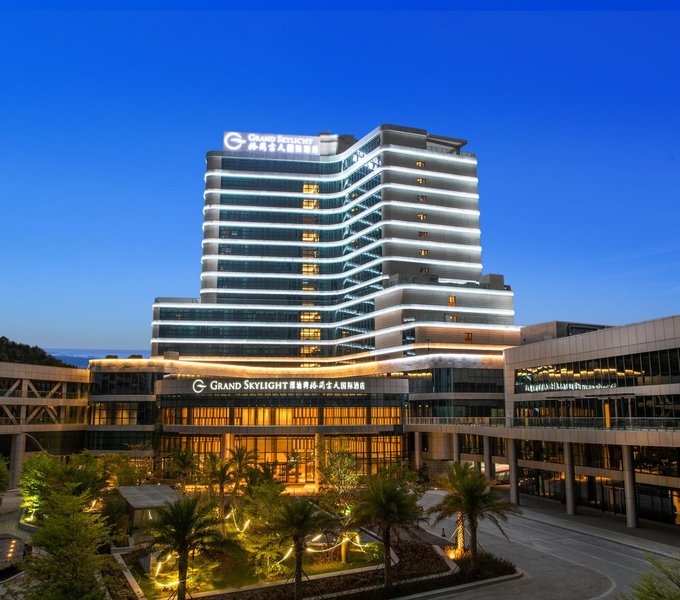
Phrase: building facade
{"type": "Point", "coordinates": [328, 263]}
{"type": "Point", "coordinates": [590, 419]}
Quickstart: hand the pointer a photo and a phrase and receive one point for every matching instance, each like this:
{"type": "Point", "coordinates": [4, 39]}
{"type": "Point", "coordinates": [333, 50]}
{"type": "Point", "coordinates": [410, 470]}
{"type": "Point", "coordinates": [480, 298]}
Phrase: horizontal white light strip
{"type": "Point", "coordinates": [341, 210]}
{"type": "Point", "coordinates": [282, 175]}
{"type": "Point", "coordinates": [345, 340]}
{"type": "Point", "coordinates": [254, 291]}
{"type": "Point", "coordinates": [356, 319]}
{"type": "Point", "coordinates": [419, 189]}
{"type": "Point", "coordinates": [345, 274]}
{"type": "Point", "coordinates": [343, 225]}
{"type": "Point", "coordinates": [342, 305]}
{"type": "Point", "coordinates": [420, 226]}
{"type": "Point", "coordinates": [472, 249]}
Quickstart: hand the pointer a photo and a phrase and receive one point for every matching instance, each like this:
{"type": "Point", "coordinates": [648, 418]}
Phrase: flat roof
{"type": "Point", "coordinates": [147, 496]}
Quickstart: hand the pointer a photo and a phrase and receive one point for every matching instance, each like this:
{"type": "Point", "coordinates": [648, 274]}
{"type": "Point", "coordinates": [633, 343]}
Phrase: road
{"type": "Point", "coordinates": [558, 563]}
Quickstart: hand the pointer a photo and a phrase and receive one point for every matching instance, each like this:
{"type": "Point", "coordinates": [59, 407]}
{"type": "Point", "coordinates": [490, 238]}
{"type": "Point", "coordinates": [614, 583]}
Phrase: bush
{"type": "Point", "coordinates": [374, 551]}
{"type": "Point", "coordinates": [488, 566]}
{"type": "Point", "coordinates": [116, 584]}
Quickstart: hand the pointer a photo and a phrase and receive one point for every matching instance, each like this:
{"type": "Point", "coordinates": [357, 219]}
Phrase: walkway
{"type": "Point", "coordinates": [10, 513]}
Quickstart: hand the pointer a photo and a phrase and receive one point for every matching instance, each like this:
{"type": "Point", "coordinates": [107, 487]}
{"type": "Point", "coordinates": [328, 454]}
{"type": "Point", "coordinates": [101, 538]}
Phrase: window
{"type": "Point", "coordinates": [310, 269]}
{"type": "Point", "coordinates": [452, 318]}
{"type": "Point", "coordinates": [310, 203]}
{"type": "Point", "coordinates": [310, 317]}
{"type": "Point", "coordinates": [468, 337]}
{"type": "Point", "coordinates": [310, 236]}
{"type": "Point", "coordinates": [309, 286]}
{"type": "Point", "coordinates": [421, 180]}
{"type": "Point", "coordinates": [310, 253]}
{"type": "Point", "coordinates": [452, 301]}
{"type": "Point", "coordinates": [420, 163]}
{"type": "Point", "coordinates": [421, 217]}
{"type": "Point", "coordinates": [421, 198]}
{"type": "Point", "coordinates": [424, 269]}
{"type": "Point", "coordinates": [310, 334]}
{"type": "Point", "coordinates": [310, 350]}
{"type": "Point", "coordinates": [423, 234]}
{"type": "Point", "coordinates": [310, 220]}
{"type": "Point", "coordinates": [310, 188]}
{"type": "Point", "coordinates": [423, 252]}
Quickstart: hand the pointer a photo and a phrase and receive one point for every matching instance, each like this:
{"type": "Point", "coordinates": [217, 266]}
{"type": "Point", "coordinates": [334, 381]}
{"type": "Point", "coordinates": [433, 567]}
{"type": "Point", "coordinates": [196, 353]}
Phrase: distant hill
{"type": "Point", "coordinates": [31, 355]}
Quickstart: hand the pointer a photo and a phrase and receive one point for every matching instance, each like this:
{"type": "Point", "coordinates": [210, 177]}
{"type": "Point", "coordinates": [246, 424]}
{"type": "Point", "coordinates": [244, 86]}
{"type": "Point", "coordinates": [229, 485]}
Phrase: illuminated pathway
{"type": "Point", "coordinates": [562, 559]}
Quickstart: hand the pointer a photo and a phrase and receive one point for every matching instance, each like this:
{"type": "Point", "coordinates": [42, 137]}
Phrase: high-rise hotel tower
{"type": "Point", "coordinates": [326, 250]}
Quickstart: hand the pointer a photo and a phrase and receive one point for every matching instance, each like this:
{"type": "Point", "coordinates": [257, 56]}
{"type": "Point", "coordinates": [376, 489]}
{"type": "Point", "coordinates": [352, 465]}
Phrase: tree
{"type": "Point", "coordinates": [69, 541]}
{"type": "Point", "coordinates": [663, 583]}
{"type": "Point", "coordinates": [449, 506]}
{"type": "Point", "coordinates": [294, 520]}
{"type": "Point", "coordinates": [187, 525]}
{"type": "Point", "coordinates": [240, 462]}
{"type": "Point", "coordinates": [471, 493]}
{"type": "Point", "coordinates": [340, 482]}
{"type": "Point", "coordinates": [217, 474]}
{"type": "Point", "coordinates": [4, 474]}
{"type": "Point", "coordinates": [387, 503]}
{"type": "Point", "coordinates": [184, 464]}
{"type": "Point", "coordinates": [38, 473]}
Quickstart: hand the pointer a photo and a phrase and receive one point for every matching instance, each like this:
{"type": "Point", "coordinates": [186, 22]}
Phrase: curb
{"type": "Point", "coordinates": [466, 587]}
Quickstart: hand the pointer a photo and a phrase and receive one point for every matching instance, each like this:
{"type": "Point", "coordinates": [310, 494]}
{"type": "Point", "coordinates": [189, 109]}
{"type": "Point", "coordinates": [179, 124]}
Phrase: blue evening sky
{"type": "Point", "coordinates": [105, 118]}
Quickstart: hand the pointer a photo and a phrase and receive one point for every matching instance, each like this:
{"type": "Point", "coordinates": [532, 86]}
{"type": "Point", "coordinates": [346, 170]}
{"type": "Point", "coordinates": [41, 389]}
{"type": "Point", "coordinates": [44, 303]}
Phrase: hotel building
{"type": "Point", "coordinates": [341, 281]}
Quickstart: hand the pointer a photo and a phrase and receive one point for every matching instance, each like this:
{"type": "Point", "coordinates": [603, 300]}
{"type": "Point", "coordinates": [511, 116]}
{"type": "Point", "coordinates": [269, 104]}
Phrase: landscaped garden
{"type": "Point", "coordinates": [232, 526]}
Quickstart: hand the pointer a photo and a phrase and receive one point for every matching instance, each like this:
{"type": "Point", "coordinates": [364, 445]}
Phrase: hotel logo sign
{"type": "Point", "coordinates": [271, 144]}
{"type": "Point", "coordinates": [279, 385]}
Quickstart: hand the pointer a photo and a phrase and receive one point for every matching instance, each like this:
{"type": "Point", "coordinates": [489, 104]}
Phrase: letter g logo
{"type": "Point", "coordinates": [198, 386]}
{"type": "Point", "coordinates": [233, 141]}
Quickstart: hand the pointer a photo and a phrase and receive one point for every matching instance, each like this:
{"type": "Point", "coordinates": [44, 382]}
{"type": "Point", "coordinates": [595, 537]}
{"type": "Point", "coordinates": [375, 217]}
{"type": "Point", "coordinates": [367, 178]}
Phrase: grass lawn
{"type": "Point", "coordinates": [235, 570]}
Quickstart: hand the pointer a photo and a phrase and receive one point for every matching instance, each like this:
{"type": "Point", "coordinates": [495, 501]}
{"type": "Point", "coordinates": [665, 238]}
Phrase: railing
{"type": "Point", "coordinates": [624, 423]}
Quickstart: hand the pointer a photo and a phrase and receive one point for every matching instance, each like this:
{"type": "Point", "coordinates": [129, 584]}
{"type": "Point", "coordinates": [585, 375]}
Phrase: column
{"type": "Point", "coordinates": [455, 448]}
{"type": "Point", "coordinates": [569, 491]}
{"type": "Point", "coordinates": [488, 457]}
{"type": "Point", "coordinates": [226, 444]}
{"type": "Point", "coordinates": [17, 459]}
{"type": "Point", "coordinates": [417, 445]}
{"type": "Point", "coordinates": [511, 446]}
{"type": "Point", "coordinates": [629, 486]}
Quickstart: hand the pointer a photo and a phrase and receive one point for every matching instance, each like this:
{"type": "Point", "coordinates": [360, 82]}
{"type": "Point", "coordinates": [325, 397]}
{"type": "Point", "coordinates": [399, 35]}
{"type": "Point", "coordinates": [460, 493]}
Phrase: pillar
{"type": "Point", "coordinates": [455, 448]}
{"type": "Point", "coordinates": [226, 444]}
{"type": "Point", "coordinates": [488, 457]}
{"type": "Point", "coordinates": [629, 486]}
{"type": "Point", "coordinates": [17, 459]}
{"type": "Point", "coordinates": [417, 445]}
{"type": "Point", "coordinates": [569, 491]}
{"type": "Point", "coordinates": [511, 446]}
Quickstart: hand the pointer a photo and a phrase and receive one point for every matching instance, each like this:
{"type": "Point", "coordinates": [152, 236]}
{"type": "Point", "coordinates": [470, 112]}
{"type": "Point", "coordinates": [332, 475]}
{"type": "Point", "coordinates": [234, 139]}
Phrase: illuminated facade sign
{"type": "Point", "coordinates": [279, 385]}
{"type": "Point", "coordinates": [271, 144]}
{"type": "Point", "coordinates": [557, 386]}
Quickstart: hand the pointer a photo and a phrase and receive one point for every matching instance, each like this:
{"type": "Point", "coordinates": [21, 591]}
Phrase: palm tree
{"type": "Point", "coordinates": [183, 527]}
{"type": "Point", "coordinates": [240, 461]}
{"type": "Point", "coordinates": [184, 463]}
{"type": "Point", "coordinates": [449, 506]}
{"type": "Point", "coordinates": [387, 503]}
{"type": "Point", "coordinates": [294, 520]}
{"type": "Point", "coordinates": [217, 474]}
{"type": "Point", "coordinates": [470, 493]}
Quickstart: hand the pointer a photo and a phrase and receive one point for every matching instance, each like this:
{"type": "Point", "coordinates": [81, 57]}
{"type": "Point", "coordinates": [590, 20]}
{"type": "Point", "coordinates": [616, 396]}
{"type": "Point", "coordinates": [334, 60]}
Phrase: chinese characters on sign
{"type": "Point", "coordinates": [260, 143]}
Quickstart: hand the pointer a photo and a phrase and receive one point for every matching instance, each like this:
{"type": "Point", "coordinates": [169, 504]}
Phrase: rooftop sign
{"type": "Point", "coordinates": [271, 144]}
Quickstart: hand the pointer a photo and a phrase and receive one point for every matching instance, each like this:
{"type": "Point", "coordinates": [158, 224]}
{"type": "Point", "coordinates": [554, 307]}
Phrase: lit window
{"type": "Point", "coordinates": [309, 286]}
{"type": "Point", "coordinates": [423, 234]}
{"type": "Point", "coordinates": [310, 188]}
{"type": "Point", "coordinates": [310, 334]}
{"type": "Point", "coordinates": [420, 163]}
{"type": "Point", "coordinates": [452, 301]}
{"type": "Point", "coordinates": [423, 252]}
{"type": "Point", "coordinates": [468, 337]}
{"type": "Point", "coordinates": [424, 269]}
{"type": "Point", "coordinates": [422, 217]}
{"type": "Point", "coordinates": [310, 253]}
{"type": "Point", "coordinates": [310, 236]}
{"type": "Point", "coordinates": [310, 350]}
{"type": "Point", "coordinates": [421, 180]}
{"type": "Point", "coordinates": [421, 198]}
{"type": "Point", "coordinates": [452, 318]}
{"type": "Point", "coordinates": [310, 317]}
{"type": "Point", "coordinates": [310, 269]}
{"type": "Point", "coordinates": [310, 203]}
